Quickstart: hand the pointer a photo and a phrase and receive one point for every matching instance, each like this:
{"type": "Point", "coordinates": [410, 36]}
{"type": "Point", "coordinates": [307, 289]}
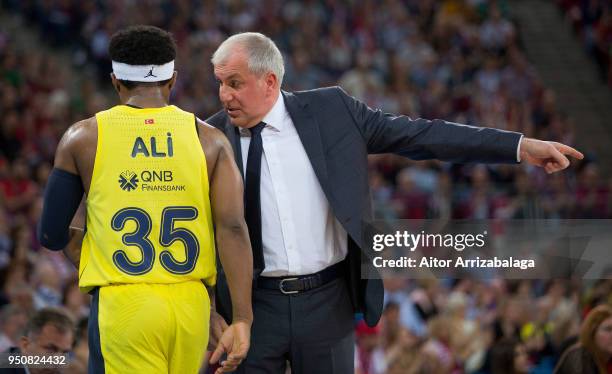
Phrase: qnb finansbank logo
{"type": "Point", "coordinates": [128, 180]}
{"type": "Point", "coordinates": [150, 181]}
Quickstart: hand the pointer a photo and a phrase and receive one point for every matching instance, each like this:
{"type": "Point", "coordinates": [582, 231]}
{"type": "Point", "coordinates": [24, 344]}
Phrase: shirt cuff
{"type": "Point", "coordinates": [518, 149]}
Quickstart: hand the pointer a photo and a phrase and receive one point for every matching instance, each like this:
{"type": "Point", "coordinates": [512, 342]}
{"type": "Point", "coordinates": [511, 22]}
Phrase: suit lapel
{"type": "Point", "coordinates": [308, 130]}
{"type": "Point", "coordinates": [233, 135]}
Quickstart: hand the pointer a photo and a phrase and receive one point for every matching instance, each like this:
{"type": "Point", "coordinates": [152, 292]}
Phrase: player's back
{"type": "Point", "coordinates": [148, 210]}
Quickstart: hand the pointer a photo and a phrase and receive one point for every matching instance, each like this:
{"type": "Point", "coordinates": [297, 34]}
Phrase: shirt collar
{"type": "Point", "coordinates": [275, 118]}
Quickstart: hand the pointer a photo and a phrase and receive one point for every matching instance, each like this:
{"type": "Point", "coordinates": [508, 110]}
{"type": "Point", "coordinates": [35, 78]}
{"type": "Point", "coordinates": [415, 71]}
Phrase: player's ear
{"type": "Point", "coordinates": [115, 81]}
{"type": "Point", "coordinates": [172, 81]}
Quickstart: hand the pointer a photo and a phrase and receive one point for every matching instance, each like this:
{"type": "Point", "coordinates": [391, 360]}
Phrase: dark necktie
{"type": "Point", "coordinates": [252, 202]}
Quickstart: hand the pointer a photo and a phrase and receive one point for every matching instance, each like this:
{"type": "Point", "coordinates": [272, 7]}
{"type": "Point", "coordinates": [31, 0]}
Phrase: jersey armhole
{"type": "Point", "coordinates": [97, 157]}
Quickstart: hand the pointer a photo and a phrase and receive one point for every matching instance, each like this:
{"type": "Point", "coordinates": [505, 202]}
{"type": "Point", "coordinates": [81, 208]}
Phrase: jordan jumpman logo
{"type": "Point", "coordinates": [150, 74]}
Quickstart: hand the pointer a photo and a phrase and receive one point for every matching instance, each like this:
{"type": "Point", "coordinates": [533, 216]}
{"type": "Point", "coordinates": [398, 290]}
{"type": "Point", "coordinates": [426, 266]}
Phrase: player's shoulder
{"type": "Point", "coordinates": [208, 129]}
{"type": "Point", "coordinates": [87, 124]}
{"type": "Point", "coordinates": [80, 132]}
{"type": "Point", "coordinates": [218, 120]}
{"type": "Point", "coordinates": [210, 134]}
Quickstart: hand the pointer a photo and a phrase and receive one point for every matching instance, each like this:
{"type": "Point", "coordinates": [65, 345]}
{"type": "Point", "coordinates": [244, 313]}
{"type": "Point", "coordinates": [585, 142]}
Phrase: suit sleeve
{"type": "Point", "coordinates": [422, 139]}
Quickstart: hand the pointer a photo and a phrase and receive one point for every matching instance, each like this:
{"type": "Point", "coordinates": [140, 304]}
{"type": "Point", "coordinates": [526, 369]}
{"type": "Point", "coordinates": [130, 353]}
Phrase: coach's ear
{"type": "Point", "coordinates": [116, 84]}
{"type": "Point", "coordinates": [272, 83]}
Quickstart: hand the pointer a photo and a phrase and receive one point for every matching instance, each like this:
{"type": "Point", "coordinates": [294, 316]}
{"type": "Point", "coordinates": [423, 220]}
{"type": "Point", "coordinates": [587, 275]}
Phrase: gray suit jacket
{"type": "Point", "coordinates": [338, 132]}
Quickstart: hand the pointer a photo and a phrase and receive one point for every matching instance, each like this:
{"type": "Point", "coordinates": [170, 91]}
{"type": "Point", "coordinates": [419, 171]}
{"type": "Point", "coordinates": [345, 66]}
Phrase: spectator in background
{"type": "Point", "coordinates": [593, 353]}
{"type": "Point", "coordinates": [510, 317]}
{"type": "Point", "coordinates": [13, 320]}
{"type": "Point", "coordinates": [410, 201]}
{"type": "Point", "coordinates": [74, 300]}
{"type": "Point", "coordinates": [591, 196]}
{"type": "Point", "coordinates": [47, 282]}
{"type": "Point", "coordinates": [466, 340]}
{"type": "Point", "coordinates": [80, 359]}
{"type": "Point", "coordinates": [496, 32]}
{"type": "Point", "coordinates": [479, 201]}
{"type": "Point", "coordinates": [367, 340]}
{"type": "Point", "coordinates": [303, 72]}
{"type": "Point", "coordinates": [426, 54]}
{"type": "Point", "coordinates": [50, 331]}
{"type": "Point", "coordinates": [19, 191]}
{"type": "Point", "coordinates": [509, 356]}
{"type": "Point", "coordinates": [394, 340]}
{"type": "Point", "coordinates": [439, 345]}
{"type": "Point", "coordinates": [409, 317]}
{"type": "Point", "coordinates": [558, 201]}
{"type": "Point", "coordinates": [362, 81]}
{"type": "Point", "coordinates": [6, 242]}
{"type": "Point", "coordinates": [592, 21]}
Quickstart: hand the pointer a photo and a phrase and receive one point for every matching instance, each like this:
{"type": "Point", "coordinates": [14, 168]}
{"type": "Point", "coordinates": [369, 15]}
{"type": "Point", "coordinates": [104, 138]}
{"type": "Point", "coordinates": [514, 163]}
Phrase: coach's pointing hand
{"type": "Point", "coordinates": [235, 341]}
{"type": "Point", "coordinates": [552, 156]}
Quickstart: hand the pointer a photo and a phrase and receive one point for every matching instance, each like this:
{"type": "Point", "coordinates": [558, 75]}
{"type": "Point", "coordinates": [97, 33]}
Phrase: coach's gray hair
{"type": "Point", "coordinates": [263, 54]}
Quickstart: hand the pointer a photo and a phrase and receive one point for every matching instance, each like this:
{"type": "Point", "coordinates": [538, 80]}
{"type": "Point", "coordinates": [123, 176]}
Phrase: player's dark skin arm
{"type": "Point", "coordinates": [73, 249]}
{"type": "Point", "coordinates": [81, 136]}
{"type": "Point", "coordinates": [77, 233]}
{"type": "Point", "coordinates": [217, 323]}
{"type": "Point", "coordinates": [226, 191]}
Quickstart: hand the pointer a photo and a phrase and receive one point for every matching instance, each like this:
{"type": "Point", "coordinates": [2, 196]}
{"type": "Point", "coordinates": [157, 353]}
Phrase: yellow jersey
{"type": "Point", "coordinates": [148, 208]}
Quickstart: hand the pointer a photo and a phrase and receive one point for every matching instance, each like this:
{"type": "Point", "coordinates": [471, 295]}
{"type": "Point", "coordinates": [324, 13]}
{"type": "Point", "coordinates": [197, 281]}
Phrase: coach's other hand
{"type": "Point", "coordinates": [235, 341]}
{"type": "Point", "coordinates": [552, 156]}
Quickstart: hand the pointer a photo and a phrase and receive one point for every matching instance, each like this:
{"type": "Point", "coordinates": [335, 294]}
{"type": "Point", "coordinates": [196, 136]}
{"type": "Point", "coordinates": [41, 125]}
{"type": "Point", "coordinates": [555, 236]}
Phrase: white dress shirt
{"type": "Point", "coordinates": [300, 233]}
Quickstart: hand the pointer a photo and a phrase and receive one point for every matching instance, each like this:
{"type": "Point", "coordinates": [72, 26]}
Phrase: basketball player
{"type": "Point", "coordinates": [156, 180]}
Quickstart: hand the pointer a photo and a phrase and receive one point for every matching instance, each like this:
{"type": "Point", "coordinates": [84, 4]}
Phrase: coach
{"type": "Point", "coordinates": [304, 159]}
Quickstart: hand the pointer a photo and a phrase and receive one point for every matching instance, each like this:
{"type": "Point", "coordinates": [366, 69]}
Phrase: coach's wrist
{"type": "Point", "coordinates": [526, 146]}
{"type": "Point", "coordinates": [246, 320]}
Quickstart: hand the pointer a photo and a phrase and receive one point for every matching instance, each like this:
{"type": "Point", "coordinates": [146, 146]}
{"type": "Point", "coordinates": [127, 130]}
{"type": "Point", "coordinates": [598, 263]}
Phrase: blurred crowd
{"type": "Point", "coordinates": [495, 326]}
{"type": "Point", "coordinates": [592, 22]}
{"type": "Point", "coordinates": [459, 60]}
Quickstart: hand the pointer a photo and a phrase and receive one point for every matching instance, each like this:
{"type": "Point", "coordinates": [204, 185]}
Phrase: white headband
{"type": "Point", "coordinates": [143, 73]}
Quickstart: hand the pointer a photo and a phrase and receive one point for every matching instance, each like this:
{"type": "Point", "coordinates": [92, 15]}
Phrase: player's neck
{"type": "Point", "coordinates": [145, 98]}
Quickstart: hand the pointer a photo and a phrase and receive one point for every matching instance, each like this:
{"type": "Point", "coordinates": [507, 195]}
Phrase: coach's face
{"type": "Point", "coordinates": [246, 97]}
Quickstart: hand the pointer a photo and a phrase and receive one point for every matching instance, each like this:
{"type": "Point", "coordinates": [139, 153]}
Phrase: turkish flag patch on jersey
{"type": "Point", "coordinates": [149, 121]}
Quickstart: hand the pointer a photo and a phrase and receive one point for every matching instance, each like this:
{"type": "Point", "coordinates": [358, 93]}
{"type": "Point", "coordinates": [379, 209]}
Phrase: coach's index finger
{"type": "Point", "coordinates": [569, 151]}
